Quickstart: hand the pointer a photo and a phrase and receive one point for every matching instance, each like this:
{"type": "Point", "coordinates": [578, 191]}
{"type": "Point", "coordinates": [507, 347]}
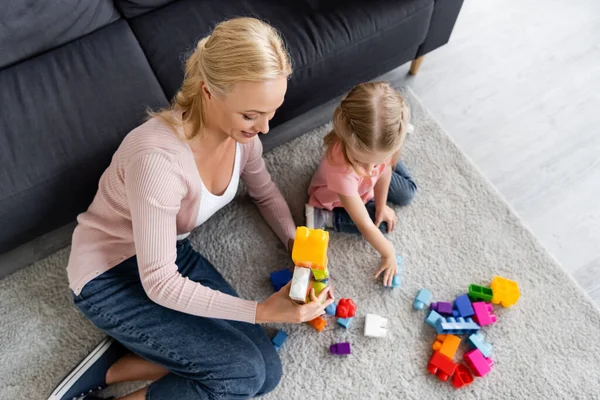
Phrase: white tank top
{"type": "Point", "coordinates": [210, 203]}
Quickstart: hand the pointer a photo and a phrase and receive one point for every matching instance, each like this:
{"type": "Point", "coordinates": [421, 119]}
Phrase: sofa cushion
{"type": "Point", "coordinates": [133, 8]}
{"type": "Point", "coordinates": [31, 27]}
{"type": "Point", "coordinates": [64, 113]}
{"type": "Point", "coordinates": [333, 44]}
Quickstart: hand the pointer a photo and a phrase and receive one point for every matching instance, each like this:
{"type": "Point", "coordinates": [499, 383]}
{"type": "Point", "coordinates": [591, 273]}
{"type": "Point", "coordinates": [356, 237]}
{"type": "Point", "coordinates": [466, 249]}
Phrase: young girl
{"type": "Point", "coordinates": [360, 171]}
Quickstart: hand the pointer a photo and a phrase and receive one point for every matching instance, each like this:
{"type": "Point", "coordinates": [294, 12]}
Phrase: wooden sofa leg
{"type": "Point", "coordinates": [415, 65]}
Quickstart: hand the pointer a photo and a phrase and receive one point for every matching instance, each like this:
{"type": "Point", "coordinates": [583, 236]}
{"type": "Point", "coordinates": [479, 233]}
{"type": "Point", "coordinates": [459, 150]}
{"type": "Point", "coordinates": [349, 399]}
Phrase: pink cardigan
{"type": "Point", "coordinates": [148, 195]}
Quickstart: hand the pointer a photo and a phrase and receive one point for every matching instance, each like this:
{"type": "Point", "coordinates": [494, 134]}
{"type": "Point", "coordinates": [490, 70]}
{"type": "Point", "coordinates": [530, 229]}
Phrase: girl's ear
{"type": "Point", "coordinates": [205, 92]}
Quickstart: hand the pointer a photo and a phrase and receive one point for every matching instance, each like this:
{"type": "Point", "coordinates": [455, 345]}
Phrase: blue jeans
{"type": "Point", "coordinates": [402, 191]}
{"type": "Point", "coordinates": [207, 358]}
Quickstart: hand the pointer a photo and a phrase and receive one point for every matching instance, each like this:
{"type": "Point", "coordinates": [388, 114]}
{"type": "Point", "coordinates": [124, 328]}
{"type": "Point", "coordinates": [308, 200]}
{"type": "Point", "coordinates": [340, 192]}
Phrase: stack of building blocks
{"type": "Point", "coordinates": [469, 314]}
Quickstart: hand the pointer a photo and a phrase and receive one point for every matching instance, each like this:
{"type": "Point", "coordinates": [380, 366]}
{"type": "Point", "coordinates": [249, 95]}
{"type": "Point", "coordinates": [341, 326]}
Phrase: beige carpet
{"type": "Point", "coordinates": [458, 231]}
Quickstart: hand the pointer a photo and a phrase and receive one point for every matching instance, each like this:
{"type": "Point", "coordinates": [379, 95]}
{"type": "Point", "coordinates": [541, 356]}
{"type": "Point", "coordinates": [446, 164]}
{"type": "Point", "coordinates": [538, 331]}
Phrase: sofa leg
{"type": "Point", "coordinates": [415, 65]}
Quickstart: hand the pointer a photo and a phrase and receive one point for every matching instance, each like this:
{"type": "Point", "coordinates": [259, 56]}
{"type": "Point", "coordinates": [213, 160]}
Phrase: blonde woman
{"type": "Point", "coordinates": [132, 270]}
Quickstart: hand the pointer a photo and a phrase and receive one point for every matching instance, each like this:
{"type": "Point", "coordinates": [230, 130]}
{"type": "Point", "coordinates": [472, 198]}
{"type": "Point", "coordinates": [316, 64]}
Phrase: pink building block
{"type": "Point", "coordinates": [483, 313]}
{"type": "Point", "coordinates": [480, 365]}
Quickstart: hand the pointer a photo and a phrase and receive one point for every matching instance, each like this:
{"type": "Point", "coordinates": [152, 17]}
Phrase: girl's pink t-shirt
{"type": "Point", "coordinates": [334, 177]}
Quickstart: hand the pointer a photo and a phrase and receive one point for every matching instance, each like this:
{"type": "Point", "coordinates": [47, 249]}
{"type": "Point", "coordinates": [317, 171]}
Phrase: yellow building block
{"type": "Point", "coordinates": [318, 286]}
{"type": "Point", "coordinates": [505, 291]}
{"type": "Point", "coordinates": [310, 248]}
{"type": "Point", "coordinates": [447, 345]}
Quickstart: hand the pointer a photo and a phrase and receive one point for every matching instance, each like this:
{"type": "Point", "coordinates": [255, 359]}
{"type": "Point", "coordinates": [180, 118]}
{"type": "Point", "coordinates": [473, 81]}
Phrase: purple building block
{"type": "Point", "coordinates": [340, 348]}
{"type": "Point", "coordinates": [442, 307]}
{"type": "Point", "coordinates": [463, 307]}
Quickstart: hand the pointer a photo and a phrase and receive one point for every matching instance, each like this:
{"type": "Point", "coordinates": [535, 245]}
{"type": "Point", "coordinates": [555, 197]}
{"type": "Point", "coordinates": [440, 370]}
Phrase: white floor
{"type": "Point", "coordinates": [518, 87]}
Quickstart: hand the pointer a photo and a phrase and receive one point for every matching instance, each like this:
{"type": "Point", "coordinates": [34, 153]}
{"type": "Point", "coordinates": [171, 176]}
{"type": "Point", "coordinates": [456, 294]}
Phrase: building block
{"type": "Point", "coordinates": [456, 326]}
{"type": "Point", "coordinates": [463, 307]}
{"type": "Point", "coordinates": [345, 322]}
{"type": "Point", "coordinates": [506, 292]}
{"type": "Point", "coordinates": [422, 299]}
{"type": "Point", "coordinates": [320, 275]}
{"type": "Point", "coordinates": [462, 377]}
{"type": "Point", "coordinates": [432, 318]}
{"type": "Point", "coordinates": [447, 345]}
{"type": "Point", "coordinates": [279, 339]}
{"type": "Point", "coordinates": [300, 284]}
{"type": "Point", "coordinates": [477, 341]}
{"type": "Point", "coordinates": [310, 248]}
{"type": "Point", "coordinates": [345, 308]}
{"type": "Point", "coordinates": [340, 348]}
{"type": "Point", "coordinates": [442, 307]}
{"type": "Point", "coordinates": [318, 286]}
{"type": "Point", "coordinates": [375, 325]}
{"type": "Point", "coordinates": [280, 278]}
{"type": "Point", "coordinates": [318, 323]}
{"type": "Point", "coordinates": [480, 293]}
{"type": "Point", "coordinates": [480, 365]}
{"type": "Point", "coordinates": [397, 279]}
{"type": "Point", "coordinates": [441, 366]}
{"type": "Point", "coordinates": [330, 309]}
{"type": "Point", "coordinates": [483, 313]}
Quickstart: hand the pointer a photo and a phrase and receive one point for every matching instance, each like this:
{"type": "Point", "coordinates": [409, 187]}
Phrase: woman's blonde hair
{"type": "Point", "coordinates": [372, 117]}
{"type": "Point", "coordinates": [237, 50]}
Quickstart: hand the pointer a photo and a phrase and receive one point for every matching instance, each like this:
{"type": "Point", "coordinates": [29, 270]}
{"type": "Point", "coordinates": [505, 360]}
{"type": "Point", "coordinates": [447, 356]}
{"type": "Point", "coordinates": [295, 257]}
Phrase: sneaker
{"type": "Point", "coordinates": [90, 375]}
{"type": "Point", "coordinates": [317, 218]}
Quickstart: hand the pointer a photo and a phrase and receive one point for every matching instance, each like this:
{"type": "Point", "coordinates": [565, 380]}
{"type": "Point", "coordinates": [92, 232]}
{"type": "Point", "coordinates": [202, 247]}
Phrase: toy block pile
{"type": "Point", "coordinates": [467, 316]}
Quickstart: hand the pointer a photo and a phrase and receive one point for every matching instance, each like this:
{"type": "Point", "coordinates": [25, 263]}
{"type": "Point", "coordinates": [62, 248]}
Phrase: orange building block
{"type": "Point", "coordinates": [505, 291]}
{"type": "Point", "coordinates": [310, 248]}
{"type": "Point", "coordinates": [318, 323]}
{"type": "Point", "coordinates": [447, 345]}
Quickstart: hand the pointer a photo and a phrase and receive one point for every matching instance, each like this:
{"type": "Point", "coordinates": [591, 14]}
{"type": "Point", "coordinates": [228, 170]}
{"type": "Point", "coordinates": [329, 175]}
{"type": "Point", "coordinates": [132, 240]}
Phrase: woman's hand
{"type": "Point", "coordinates": [386, 214]}
{"type": "Point", "coordinates": [280, 308]}
{"type": "Point", "coordinates": [389, 268]}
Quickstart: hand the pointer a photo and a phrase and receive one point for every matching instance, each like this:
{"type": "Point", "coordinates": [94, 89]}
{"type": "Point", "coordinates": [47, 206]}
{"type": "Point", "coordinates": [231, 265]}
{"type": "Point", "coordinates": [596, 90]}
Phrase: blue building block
{"type": "Point", "coordinates": [432, 318]}
{"type": "Point", "coordinates": [345, 322]}
{"type": "Point", "coordinates": [280, 278]}
{"type": "Point", "coordinates": [331, 309]}
{"type": "Point", "coordinates": [397, 279]}
{"type": "Point", "coordinates": [279, 339]}
{"type": "Point", "coordinates": [458, 326]}
{"type": "Point", "coordinates": [477, 341]}
{"type": "Point", "coordinates": [422, 299]}
{"type": "Point", "coordinates": [463, 307]}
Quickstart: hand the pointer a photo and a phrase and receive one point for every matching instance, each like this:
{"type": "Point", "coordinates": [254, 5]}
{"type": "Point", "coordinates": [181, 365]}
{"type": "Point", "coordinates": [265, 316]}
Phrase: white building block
{"type": "Point", "coordinates": [375, 325]}
{"type": "Point", "coordinates": [300, 282]}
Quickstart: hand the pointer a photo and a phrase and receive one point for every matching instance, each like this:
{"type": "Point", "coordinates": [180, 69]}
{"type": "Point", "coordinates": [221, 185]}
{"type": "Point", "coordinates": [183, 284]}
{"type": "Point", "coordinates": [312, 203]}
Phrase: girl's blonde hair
{"type": "Point", "coordinates": [237, 50]}
{"type": "Point", "coordinates": [372, 117]}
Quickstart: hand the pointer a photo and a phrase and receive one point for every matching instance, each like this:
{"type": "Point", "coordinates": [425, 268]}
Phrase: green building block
{"type": "Point", "coordinates": [320, 275]}
{"type": "Point", "coordinates": [318, 286]}
{"type": "Point", "coordinates": [482, 293]}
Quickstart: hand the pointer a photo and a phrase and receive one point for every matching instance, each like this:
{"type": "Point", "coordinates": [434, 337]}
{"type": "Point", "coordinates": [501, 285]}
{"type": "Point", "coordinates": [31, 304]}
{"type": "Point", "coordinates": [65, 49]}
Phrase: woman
{"type": "Point", "coordinates": [132, 270]}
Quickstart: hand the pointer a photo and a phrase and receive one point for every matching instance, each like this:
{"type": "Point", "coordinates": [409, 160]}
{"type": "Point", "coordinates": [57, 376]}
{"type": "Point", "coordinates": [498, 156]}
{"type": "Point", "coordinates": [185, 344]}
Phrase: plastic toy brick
{"type": "Point", "coordinates": [318, 286]}
{"type": "Point", "coordinates": [310, 248]}
{"type": "Point", "coordinates": [279, 339]}
{"type": "Point", "coordinates": [432, 318]}
{"type": "Point", "coordinates": [330, 310]}
{"type": "Point", "coordinates": [320, 275]}
{"type": "Point", "coordinates": [477, 341]}
{"type": "Point", "coordinates": [506, 292]}
{"type": "Point", "coordinates": [456, 326]}
{"type": "Point", "coordinates": [462, 377]}
{"type": "Point", "coordinates": [422, 299]}
{"type": "Point", "coordinates": [447, 345]}
{"type": "Point", "coordinates": [441, 366]}
{"type": "Point", "coordinates": [340, 348]}
{"type": "Point", "coordinates": [345, 322]}
{"type": "Point", "coordinates": [300, 284]}
{"type": "Point", "coordinates": [480, 365]}
{"type": "Point", "coordinates": [463, 307]}
{"type": "Point", "coordinates": [280, 278]}
{"type": "Point", "coordinates": [483, 313]}
{"type": "Point", "coordinates": [375, 325]}
{"type": "Point", "coordinates": [345, 308]}
{"type": "Point", "coordinates": [442, 307]}
{"type": "Point", "coordinates": [318, 323]}
{"type": "Point", "coordinates": [397, 279]}
{"type": "Point", "coordinates": [480, 293]}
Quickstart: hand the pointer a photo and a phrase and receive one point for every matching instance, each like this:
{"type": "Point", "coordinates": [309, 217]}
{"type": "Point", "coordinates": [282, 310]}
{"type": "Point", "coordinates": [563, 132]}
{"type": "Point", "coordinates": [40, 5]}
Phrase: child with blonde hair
{"type": "Point", "coordinates": [361, 172]}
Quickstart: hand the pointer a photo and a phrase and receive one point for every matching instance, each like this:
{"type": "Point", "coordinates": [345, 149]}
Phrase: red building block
{"type": "Point", "coordinates": [345, 308]}
{"type": "Point", "coordinates": [483, 313]}
{"type": "Point", "coordinates": [478, 363]}
{"type": "Point", "coordinates": [441, 366]}
{"type": "Point", "coordinates": [462, 377]}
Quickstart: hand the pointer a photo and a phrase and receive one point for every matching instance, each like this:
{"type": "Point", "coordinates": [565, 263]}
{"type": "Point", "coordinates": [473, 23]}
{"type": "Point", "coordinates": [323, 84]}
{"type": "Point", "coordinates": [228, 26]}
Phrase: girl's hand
{"type": "Point", "coordinates": [280, 308]}
{"type": "Point", "coordinates": [389, 268]}
{"type": "Point", "coordinates": [386, 214]}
